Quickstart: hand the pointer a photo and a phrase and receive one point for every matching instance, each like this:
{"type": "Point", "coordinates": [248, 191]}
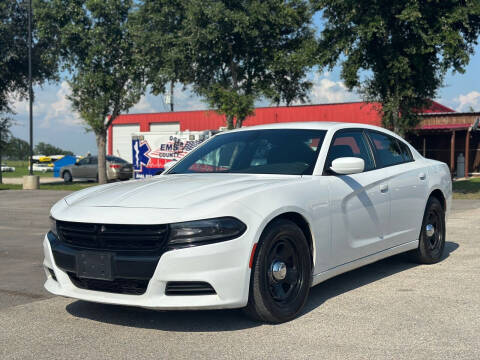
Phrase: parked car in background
{"type": "Point", "coordinates": [251, 218]}
{"type": "Point", "coordinates": [87, 168]}
{"type": "Point", "coordinates": [42, 167]}
{"type": "Point", "coordinates": [5, 168]}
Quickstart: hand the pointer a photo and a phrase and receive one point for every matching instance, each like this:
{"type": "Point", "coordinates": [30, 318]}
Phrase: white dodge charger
{"type": "Point", "coordinates": [250, 219]}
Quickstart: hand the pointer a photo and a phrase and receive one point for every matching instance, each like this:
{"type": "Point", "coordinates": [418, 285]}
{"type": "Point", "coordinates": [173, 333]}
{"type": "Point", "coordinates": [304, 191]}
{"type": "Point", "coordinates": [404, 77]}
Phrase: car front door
{"type": "Point", "coordinates": [79, 169]}
{"type": "Point", "coordinates": [359, 203]}
{"type": "Point", "coordinates": [407, 186]}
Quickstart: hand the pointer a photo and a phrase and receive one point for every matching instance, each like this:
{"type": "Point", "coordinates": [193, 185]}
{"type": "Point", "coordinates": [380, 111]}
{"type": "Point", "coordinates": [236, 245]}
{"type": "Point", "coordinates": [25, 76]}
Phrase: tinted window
{"type": "Point", "coordinates": [116, 159]}
{"type": "Point", "coordinates": [278, 151]}
{"type": "Point", "coordinates": [407, 155]}
{"type": "Point", "coordinates": [350, 144]}
{"type": "Point", "coordinates": [386, 149]}
{"type": "Point", "coordinates": [84, 161]}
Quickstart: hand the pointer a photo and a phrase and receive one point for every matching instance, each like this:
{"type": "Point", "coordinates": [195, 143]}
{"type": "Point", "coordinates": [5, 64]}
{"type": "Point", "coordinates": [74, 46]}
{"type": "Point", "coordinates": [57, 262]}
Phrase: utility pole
{"type": "Point", "coordinates": [171, 96]}
{"type": "Point", "coordinates": [30, 90]}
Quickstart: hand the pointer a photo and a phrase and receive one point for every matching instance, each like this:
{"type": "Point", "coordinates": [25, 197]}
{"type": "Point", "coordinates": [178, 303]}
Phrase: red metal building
{"type": "Point", "coordinates": [119, 134]}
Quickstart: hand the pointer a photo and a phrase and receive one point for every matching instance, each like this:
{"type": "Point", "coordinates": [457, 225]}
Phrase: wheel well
{"type": "Point", "coordinates": [300, 221]}
{"type": "Point", "coordinates": [65, 171]}
{"type": "Point", "coordinates": [439, 196]}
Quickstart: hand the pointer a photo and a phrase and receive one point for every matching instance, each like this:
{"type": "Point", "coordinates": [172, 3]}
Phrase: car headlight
{"type": "Point", "coordinates": [202, 232]}
{"type": "Point", "coordinates": [53, 226]}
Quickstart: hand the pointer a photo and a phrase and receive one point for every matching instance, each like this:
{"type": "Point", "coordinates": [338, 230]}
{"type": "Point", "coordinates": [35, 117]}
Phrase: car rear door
{"type": "Point", "coordinates": [359, 203]}
{"type": "Point", "coordinates": [92, 168]}
{"type": "Point", "coordinates": [407, 186]}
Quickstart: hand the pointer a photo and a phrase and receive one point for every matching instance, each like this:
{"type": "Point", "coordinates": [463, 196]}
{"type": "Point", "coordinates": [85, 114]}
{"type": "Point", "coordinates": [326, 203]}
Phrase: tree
{"type": "Point", "coordinates": [288, 74]}
{"type": "Point", "coordinates": [397, 53]}
{"type": "Point", "coordinates": [48, 149]}
{"type": "Point", "coordinates": [96, 44]}
{"type": "Point", "coordinates": [228, 50]}
{"type": "Point", "coordinates": [17, 149]}
{"type": "Point", "coordinates": [158, 25]}
{"type": "Point", "coordinates": [5, 123]}
{"type": "Point", "coordinates": [13, 53]}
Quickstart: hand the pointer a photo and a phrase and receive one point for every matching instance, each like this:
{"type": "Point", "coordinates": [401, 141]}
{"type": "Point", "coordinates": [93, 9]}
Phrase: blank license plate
{"type": "Point", "coordinates": [94, 265]}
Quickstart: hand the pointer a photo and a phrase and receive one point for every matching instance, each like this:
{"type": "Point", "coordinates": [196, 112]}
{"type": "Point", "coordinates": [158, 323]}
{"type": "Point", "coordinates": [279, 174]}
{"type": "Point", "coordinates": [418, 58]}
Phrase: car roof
{"type": "Point", "coordinates": [315, 125]}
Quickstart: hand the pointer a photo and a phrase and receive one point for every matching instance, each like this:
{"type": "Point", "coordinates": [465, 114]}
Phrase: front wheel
{"type": "Point", "coordinates": [281, 274]}
{"type": "Point", "coordinates": [67, 177]}
{"type": "Point", "coordinates": [432, 235]}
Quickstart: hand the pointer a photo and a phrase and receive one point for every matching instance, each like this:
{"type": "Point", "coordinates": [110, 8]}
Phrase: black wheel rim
{"type": "Point", "coordinates": [434, 219]}
{"type": "Point", "coordinates": [284, 290]}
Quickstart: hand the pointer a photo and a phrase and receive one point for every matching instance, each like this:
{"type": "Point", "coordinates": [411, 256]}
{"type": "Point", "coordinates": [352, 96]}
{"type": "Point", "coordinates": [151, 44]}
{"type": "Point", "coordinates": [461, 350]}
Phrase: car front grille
{"type": "Point", "coordinates": [117, 286]}
{"type": "Point", "coordinates": [113, 237]}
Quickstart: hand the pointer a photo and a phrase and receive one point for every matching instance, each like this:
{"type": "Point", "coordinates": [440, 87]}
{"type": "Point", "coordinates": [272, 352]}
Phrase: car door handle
{"type": "Point", "coordinates": [383, 188]}
{"type": "Point", "coordinates": [422, 176]}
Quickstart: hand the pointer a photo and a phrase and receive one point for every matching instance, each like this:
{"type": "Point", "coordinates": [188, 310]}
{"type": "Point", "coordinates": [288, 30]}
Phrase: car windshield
{"type": "Point", "coordinates": [278, 151]}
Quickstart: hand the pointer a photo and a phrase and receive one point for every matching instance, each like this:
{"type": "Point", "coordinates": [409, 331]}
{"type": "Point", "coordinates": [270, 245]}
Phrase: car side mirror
{"type": "Point", "coordinates": [347, 165]}
{"type": "Point", "coordinates": [76, 164]}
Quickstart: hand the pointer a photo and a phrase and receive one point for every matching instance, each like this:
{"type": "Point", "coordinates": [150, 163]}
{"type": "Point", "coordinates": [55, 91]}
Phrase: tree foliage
{"type": "Point", "coordinates": [48, 149]}
{"type": "Point", "coordinates": [398, 52]}
{"type": "Point", "coordinates": [96, 45]}
{"type": "Point", "coordinates": [232, 52]}
{"type": "Point", "coordinates": [158, 27]}
{"type": "Point", "coordinates": [17, 149]}
{"type": "Point", "coordinates": [14, 53]}
{"type": "Point", "coordinates": [5, 135]}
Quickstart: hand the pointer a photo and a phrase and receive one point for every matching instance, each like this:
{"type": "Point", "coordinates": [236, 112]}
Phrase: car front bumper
{"type": "Point", "coordinates": [223, 265]}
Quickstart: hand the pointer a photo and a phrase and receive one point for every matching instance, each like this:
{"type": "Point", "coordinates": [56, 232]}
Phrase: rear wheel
{"type": "Point", "coordinates": [281, 274]}
{"type": "Point", "coordinates": [67, 177]}
{"type": "Point", "coordinates": [432, 236]}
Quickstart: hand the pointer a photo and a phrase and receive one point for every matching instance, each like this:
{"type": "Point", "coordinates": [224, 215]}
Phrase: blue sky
{"type": "Point", "coordinates": [56, 123]}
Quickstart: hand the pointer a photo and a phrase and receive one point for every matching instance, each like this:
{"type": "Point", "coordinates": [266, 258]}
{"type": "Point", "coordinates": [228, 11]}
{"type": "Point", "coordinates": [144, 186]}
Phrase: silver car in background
{"type": "Point", "coordinates": [87, 168]}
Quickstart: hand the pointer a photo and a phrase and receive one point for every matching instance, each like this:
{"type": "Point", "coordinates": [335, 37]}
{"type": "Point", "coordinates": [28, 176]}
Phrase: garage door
{"type": "Point", "coordinates": [170, 126]}
{"type": "Point", "coordinates": [122, 140]}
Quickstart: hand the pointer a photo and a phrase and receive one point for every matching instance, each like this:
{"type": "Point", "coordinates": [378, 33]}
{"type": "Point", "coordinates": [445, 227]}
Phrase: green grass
{"type": "Point", "coordinates": [467, 189]}
{"type": "Point", "coordinates": [21, 169]}
{"type": "Point", "coordinates": [59, 186]}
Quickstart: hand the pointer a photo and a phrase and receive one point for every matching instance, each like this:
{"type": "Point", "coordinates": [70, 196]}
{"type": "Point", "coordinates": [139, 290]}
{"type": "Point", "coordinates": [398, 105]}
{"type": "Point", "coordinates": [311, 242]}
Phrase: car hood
{"type": "Point", "coordinates": [175, 191]}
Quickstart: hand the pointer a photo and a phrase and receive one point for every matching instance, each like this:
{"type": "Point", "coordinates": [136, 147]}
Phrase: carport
{"type": "Point", "coordinates": [448, 137]}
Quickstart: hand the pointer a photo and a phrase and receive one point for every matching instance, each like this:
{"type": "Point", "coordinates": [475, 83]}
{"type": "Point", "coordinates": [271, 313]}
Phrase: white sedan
{"type": "Point", "coordinates": [251, 219]}
{"type": "Point", "coordinates": [6, 168]}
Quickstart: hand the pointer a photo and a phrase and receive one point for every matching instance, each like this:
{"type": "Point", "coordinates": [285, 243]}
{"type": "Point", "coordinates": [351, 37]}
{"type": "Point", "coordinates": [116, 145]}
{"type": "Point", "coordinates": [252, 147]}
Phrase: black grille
{"type": "Point", "coordinates": [117, 286]}
{"type": "Point", "coordinates": [112, 237]}
{"type": "Point", "coordinates": [189, 288]}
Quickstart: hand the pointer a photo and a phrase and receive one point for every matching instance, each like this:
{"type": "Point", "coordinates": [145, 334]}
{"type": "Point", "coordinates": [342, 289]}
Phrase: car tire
{"type": "Point", "coordinates": [432, 235]}
{"type": "Point", "coordinates": [281, 274]}
{"type": "Point", "coordinates": [67, 177]}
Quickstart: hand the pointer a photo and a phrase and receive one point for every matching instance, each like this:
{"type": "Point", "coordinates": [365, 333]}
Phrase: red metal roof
{"type": "Point", "coordinates": [354, 112]}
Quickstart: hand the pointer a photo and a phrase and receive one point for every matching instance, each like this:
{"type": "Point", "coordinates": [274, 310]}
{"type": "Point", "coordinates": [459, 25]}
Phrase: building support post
{"type": "Point", "coordinates": [452, 153]}
{"type": "Point", "coordinates": [467, 152]}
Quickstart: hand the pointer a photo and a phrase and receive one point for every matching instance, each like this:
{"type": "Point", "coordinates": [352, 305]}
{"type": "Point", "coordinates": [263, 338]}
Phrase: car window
{"type": "Point", "coordinates": [84, 161]}
{"type": "Point", "coordinates": [407, 155]}
{"type": "Point", "coordinates": [350, 144]}
{"type": "Point", "coordinates": [116, 159]}
{"type": "Point", "coordinates": [93, 160]}
{"type": "Point", "coordinates": [279, 151]}
{"type": "Point", "coordinates": [386, 149]}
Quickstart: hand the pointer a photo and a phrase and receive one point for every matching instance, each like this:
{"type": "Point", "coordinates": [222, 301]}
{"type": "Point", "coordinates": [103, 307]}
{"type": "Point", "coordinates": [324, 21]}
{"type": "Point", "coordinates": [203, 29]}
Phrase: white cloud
{"type": "Point", "coordinates": [51, 106]}
{"type": "Point", "coordinates": [143, 106]}
{"type": "Point", "coordinates": [186, 99]}
{"type": "Point", "coordinates": [465, 102]}
{"type": "Point", "coordinates": [60, 110]}
{"type": "Point", "coordinates": [325, 90]}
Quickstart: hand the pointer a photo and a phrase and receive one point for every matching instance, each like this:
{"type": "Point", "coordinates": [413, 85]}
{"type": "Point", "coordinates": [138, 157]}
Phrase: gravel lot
{"type": "Point", "coordinates": [392, 309]}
